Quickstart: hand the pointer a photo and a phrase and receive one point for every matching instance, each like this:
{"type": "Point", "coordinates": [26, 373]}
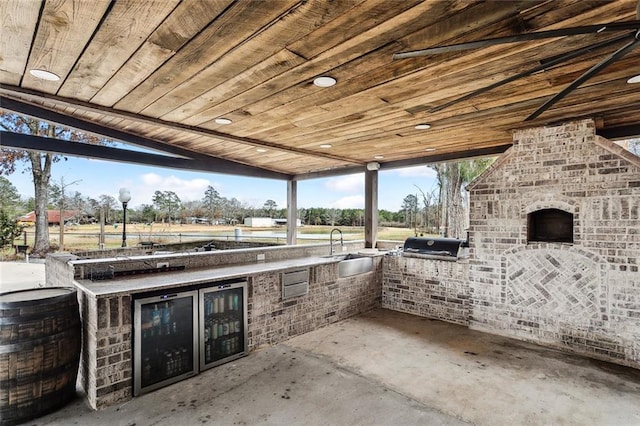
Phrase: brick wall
{"type": "Point", "coordinates": [107, 353]}
{"type": "Point", "coordinates": [57, 270]}
{"type": "Point", "coordinates": [585, 296]}
{"type": "Point", "coordinates": [427, 287]}
{"type": "Point", "coordinates": [107, 359]}
{"type": "Point", "coordinates": [330, 299]}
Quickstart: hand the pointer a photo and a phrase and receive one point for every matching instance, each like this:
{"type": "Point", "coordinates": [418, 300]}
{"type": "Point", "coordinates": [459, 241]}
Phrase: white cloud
{"type": "Point", "coordinates": [417, 171]}
{"type": "Point", "coordinates": [349, 202]}
{"type": "Point", "coordinates": [142, 190]}
{"type": "Point", "coordinates": [350, 183]}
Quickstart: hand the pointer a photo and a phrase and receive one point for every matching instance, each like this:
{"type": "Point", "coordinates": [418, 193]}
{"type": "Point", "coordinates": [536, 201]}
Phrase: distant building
{"type": "Point", "coordinates": [53, 216]}
{"type": "Point", "coordinates": [258, 222]}
{"type": "Point", "coordinates": [265, 222]}
{"type": "Point", "coordinates": [197, 220]}
{"type": "Point", "coordinates": [283, 222]}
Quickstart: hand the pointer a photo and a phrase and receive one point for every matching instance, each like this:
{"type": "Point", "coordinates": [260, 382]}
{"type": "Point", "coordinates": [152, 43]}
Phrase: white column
{"type": "Point", "coordinates": [370, 208]}
{"type": "Point", "coordinates": [292, 211]}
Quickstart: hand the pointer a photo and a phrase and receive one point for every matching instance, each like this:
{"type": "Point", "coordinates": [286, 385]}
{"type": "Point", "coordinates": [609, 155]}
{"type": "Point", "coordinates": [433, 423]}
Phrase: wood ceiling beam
{"type": "Point", "coordinates": [621, 132]}
{"type": "Point", "coordinates": [36, 96]}
{"type": "Point", "coordinates": [58, 146]}
{"type": "Point", "coordinates": [31, 110]}
{"type": "Point", "coordinates": [419, 161]}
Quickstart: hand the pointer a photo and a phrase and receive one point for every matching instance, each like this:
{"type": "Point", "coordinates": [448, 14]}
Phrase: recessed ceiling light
{"type": "Point", "coordinates": [44, 75]}
{"type": "Point", "coordinates": [222, 120]}
{"type": "Point", "coordinates": [422, 126]}
{"type": "Point", "coordinates": [635, 79]}
{"type": "Point", "coordinates": [378, 157]}
{"type": "Point", "coordinates": [261, 150]}
{"type": "Point", "coordinates": [430, 149]}
{"type": "Point", "coordinates": [324, 81]}
{"type": "Point", "coordinates": [325, 145]}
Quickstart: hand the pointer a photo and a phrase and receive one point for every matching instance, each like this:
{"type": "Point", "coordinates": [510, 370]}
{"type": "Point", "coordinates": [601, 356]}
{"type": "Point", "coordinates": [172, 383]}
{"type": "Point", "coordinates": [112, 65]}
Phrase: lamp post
{"type": "Point", "coordinates": [124, 197]}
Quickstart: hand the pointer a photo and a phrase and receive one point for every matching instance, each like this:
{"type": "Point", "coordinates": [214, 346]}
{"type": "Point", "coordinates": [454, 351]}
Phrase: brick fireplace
{"type": "Point", "coordinates": [567, 277]}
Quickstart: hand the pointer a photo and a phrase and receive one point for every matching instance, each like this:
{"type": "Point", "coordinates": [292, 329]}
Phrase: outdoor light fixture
{"type": "Point", "coordinates": [373, 166]}
{"type": "Point", "coordinates": [422, 126]}
{"type": "Point", "coordinates": [261, 150]}
{"type": "Point", "coordinates": [124, 197]}
{"type": "Point", "coordinates": [430, 149]}
{"type": "Point", "coordinates": [222, 120]}
{"type": "Point", "coordinates": [635, 79]}
{"type": "Point", "coordinates": [378, 157]}
{"type": "Point", "coordinates": [324, 81]}
{"type": "Point", "coordinates": [44, 75]}
{"type": "Point", "coordinates": [325, 146]}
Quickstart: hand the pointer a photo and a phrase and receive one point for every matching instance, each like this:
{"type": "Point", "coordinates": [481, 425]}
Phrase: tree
{"type": "Point", "coordinates": [10, 201]}
{"type": "Point", "coordinates": [61, 200]}
{"type": "Point", "coordinates": [331, 216]}
{"type": "Point", "coordinates": [168, 204]}
{"type": "Point", "coordinates": [451, 178]}
{"type": "Point", "coordinates": [410, 208]}
{"type": "Point", "coordinates": [269, 207]}
{"type": "Point", "coordinates": [147, 213]}
{"type": "Point", "coordinates": [108, 204]}
{"type": "Point", "coordinates": [39, 163]}
{"type": "Point", "coordinates": [78, 203]}
{"type": "Point", "coordinates": [427, 201]}
{"type": "Point", "coordinates": [93, 207]}
{"type": "Point", "coordinates": [212, 202]}
{"type": "Point", "coordinates": [302, 215]}
{"type": "Point", "coordinates": [315, 216]}
{"type": "Point", "coordinates": [194, 208]}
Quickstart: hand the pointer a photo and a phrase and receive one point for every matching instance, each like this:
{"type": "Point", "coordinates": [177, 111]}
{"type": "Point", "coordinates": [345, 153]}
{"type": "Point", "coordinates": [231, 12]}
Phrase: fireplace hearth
{"type": "Point", "coordinates": [555, 243]}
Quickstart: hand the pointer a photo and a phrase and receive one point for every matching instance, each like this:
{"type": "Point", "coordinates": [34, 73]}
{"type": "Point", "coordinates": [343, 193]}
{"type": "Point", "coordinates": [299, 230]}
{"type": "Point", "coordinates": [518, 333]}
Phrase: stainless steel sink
{"type": "Point", "coordinates": [353, 264]}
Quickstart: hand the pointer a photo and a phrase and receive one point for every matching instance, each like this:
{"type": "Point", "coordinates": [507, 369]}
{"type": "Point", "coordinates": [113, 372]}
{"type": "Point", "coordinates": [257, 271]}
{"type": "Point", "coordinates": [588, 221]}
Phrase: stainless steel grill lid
{"type": "Point", "coordinates": [434, 248]}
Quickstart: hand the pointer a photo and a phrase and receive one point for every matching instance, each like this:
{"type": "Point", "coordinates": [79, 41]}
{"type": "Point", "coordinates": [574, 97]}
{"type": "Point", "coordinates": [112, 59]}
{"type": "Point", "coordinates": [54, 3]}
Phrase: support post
{"type": "Point", "coordinates": [124, 224]}
{"type": "Point", "coordinates": [370, 208]}
{"type": "Point", "coordinates": [101, 237]}
{"type": "Point", "coordinates": [292, 212]}
{"type": "Point", "coordinates": [61, 223]}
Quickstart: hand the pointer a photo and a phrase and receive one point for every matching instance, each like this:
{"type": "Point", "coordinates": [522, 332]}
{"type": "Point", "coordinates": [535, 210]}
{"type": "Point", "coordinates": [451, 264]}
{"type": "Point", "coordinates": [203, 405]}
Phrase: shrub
{"type": "Point", "coordinates": [9, 230]}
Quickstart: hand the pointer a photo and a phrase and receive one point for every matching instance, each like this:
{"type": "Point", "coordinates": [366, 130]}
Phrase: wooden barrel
{"type": "Point", "coordinates": [40, 336]}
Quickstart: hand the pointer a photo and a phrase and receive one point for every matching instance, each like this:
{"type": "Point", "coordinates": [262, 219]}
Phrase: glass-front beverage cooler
{"type": "Point", "coordinates": [223, 323]}
{"type": "Point", "coordinates": [165, 339]}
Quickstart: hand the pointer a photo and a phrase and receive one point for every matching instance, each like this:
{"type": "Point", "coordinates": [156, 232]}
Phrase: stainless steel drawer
{"type": "Point", "coordinates": [295, 283]}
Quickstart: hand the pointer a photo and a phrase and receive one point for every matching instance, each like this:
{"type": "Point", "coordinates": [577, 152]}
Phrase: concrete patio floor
{"type": "Point", "coordinates": [387, 368]}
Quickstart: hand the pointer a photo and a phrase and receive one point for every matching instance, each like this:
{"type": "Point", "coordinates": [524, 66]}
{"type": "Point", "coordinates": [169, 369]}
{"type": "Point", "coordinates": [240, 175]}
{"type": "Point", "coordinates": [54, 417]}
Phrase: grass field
{"type": "Point", "coordinates": [87, 237]}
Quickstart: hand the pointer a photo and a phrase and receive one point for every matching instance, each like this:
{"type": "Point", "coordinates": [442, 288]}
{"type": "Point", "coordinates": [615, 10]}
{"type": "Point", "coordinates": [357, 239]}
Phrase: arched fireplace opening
{"type": "Point", "coordinates": [550, 225]}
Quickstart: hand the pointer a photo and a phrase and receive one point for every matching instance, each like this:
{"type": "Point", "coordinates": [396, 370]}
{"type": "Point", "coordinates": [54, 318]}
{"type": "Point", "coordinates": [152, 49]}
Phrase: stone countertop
{"type": "Point", "coordinates": [158, 281]}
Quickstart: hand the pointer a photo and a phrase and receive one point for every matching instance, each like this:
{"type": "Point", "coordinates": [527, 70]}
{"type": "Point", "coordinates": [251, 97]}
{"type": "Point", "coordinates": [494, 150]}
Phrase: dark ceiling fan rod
{"type": "Point", "coordinates": [587, 75]}
{"type": "Point", "coordinates": [545, 64]}
{"type": "Point", "coordinates": [587, 29]}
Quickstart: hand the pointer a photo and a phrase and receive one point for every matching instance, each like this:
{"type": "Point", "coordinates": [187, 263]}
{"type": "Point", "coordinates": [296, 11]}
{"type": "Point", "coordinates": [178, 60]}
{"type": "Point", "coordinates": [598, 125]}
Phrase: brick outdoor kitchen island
{"type": "Point", "coordinates": [106, 368]}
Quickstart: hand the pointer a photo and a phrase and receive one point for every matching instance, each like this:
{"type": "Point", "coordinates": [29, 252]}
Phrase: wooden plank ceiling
{"type": "Point", "coordinates": [166, 69]}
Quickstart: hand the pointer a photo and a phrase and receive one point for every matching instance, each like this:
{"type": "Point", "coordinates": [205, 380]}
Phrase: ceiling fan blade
{"type": "Point", "coordinates": [588, 29]}
{"type": "Point", "coordinates": [584, 77]}
{"type": "Point", "coordinates": [546, 63]}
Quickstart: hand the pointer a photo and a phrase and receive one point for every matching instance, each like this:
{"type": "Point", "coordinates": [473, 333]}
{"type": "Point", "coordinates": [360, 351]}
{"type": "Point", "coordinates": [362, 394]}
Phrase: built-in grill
{"type": "Point", "coordinates": [433, 248]}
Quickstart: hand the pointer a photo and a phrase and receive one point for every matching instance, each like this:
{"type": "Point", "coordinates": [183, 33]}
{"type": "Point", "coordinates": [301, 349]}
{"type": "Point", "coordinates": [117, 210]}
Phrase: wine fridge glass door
{"type": "Point", "coordinates": [165, 340]}
{"type": "Point", "coordinates": [223, 324]}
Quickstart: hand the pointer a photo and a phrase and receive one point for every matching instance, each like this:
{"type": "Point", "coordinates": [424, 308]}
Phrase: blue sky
{"type": "Point", "coordinates": [97, 177]}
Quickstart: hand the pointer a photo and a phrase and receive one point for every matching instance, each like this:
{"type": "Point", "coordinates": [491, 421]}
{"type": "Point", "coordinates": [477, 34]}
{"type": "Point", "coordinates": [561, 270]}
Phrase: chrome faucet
{"type": "Point", "coordinates": [331, 240]}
